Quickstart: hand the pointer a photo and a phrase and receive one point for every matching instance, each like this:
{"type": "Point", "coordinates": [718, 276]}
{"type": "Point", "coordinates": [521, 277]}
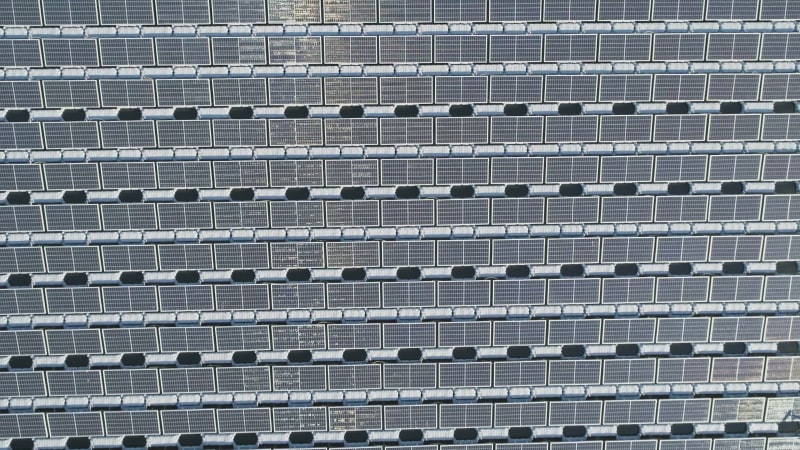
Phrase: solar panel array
{"type": "Point", "coordinates": [400, 224]}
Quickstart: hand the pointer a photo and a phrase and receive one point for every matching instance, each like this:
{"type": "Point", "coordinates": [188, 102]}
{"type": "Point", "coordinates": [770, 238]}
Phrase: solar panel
{"type": "Point", "coordinates": [28, 342]}
{"type": "Point", "coordinates": [135, 298]}
{"type": "Point", "coordinates": [283, 11]}
{"type": "Point", "coordinates": [244, 420]}
{"type": "Point", "coordinates": [186, 339]}
{"type": "Point", "coordinates": [414, 130]}
{"type": "Point", "coordinates": [300, 419]}
{"type": "Point", "coordinates": [474, 374]}
{"type": "Point", "coordinates": [627, 250]}
{"type": "Point", "coordinates": [573, 291]}
{"type": "Point", "coordinates": [684, 289]}
{"type": "Point", "coordinates": [465, 49]}
{"type": "Point", "coordinates": [199, 379]}
{"type": "Point", "coordinates": [731, 9]}
{"type": "Point", "coordinates": [737, 369]}
{"type": "Point", "coordinates": [354, 295]}
{"type": "Point", "coordinates": [353, 213]}
{"type": "Point", "coordinates": [21, 259]}
{"type": "Point", "coordinates": [63, 342]}
{"type": "Point", "coordinates": [399, 417]}
{"type": "Point", "coordinates": [732, 46]}
{"type": "Point", "coordinates": [182, 11]}
{"type": "Point", "coordinates": [570, 47]}
{"type": "Point", "coordinates": [625, 88]}
{"type": "Point", "coordinates": [462, 130]}
{"type": "Point", "coordinates": [139, 381]}
{"type": "Point", "coordinates": [745, 288]}
{"type": "Point", "coordinates": [461, 334]}
{"type": "Point", "coordinates": [73, 300]}
{"type": "Point", "coordinates": [119, 12]}
{"type": "Point", "coordinates": [684, 370]}
{"type": "Point", "coordinates": [683, 410]}
{"type": "Point", "coordinates": [234, 338]}
{"type": "Point", "coordinates": [242, 297]}
{"type": "Point", "coordinates": [350, 90]}
{"type": "Point", "coordinates": [22, 425]}
{"type": "Point", "coordinates": [403, 335]}
{"type": "Point", "coordinates": [344, 11]}
{"type": "Point", "coordinates": [520, 373]}
{"type": "Point", "coordinates": [409, 375]}
{"type": "Point", "coordinates": [515, 11]}
{"type": "Point", "coordinates": [679, 47]}
{"type": "Point", "coordinates": [465, 415]}
{"type": "Point", "coordinates": [512, 48]}
{"type": "Point", "coordinates": [69, 12]}
{"type": "Point", "coordinates": [298, 337]}
{"type": "Point", "coordinates": [294, 50]}
{"type": "Point", "coordinates": [127, 93]}
{"type": "Point", "coordinates": [354, 377]}
{"type": "Point", "coordinates": [299, 378]}
{"type": "Point", "coordinates": [188, 421]}
{"type": "Point", "coordinates": [573, 250]}
{"type": "Point", "coordinates": [463, 293]}
{"type": "Point", "coordinates": [71, 135]}
{"type": "Point", "coordinates": [570, 129]}
{"type": "Point", "coordinates": [518, 251]}
{"type": "Point", "coordinates": [409, 294]}
{"type": "Point", "coordinates": [628, 331]}
{"type": "Point", "coordinates": [737, 409]}
{"type": "Point", "coordinates": [678, 10]}
{"type": "Point", "coordinates": [625, 128]}
{"type": "Point", "coordinates": [21, 301]}
{"type": "Point", "coordinates": [72, 259]}
{"type": "Point", "coordinates": [20, 94]}
{"type": "Point", "coordinates": [119, 423]}
{"type": "Point", "coordinates": [562, 332]}
{"type": "Point", "coordinates": [288, 132]}
{"type": "Point", "coordinates": [239, 50]}
{"type": "Point", "coordinates": [418, 90]}
{"type": "Point", "coordinates": [184, 215]}
{"type": "Point", "coordinates": [184, 133]}
{"type": "Point", "coordinates": [570, 10]}
{"type": "Point", "coordinates": [70, 94]}
{"type": "Point", "coordinates": [17, 384]}
{"type": "Point", "coordinates": [626, 209]}
{"type": "Point", "coordinates": [623, 10]}
{"type": "Point", "coordinates": [523, 88]}
{"type": "Point", "coordinates": [629, 411]}
{"type": "Point", "coordinates": [240, 215]}
{"type": "Point", "coordinates": [518, 292]}
{"type": "Point", "coordinates": [290, 296]}
{"type": "Point", "coordinates": [575, 413]}
{"type": "Point", "coordinates": [127, 52]}
{"type": "Point", "coordinates": [351, 49]}
{"type": "Point", "coordinates": [519, 333]}
{"type": "Point", "coordinates": [239, 91]}
{"type": "Point", "coordinates": [22, 12]}
{"type": "Point", "coordinates": [183, 51]}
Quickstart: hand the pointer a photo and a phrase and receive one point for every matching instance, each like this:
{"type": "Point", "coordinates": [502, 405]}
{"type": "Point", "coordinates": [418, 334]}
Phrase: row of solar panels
{"type": "Point", "coordinates": [426, 212]}
{"type": "Point", "coordinates": [393, 90]}
{"type": "Point", "coordinates": [313, 378]}
{"type": "Point", "coordinates": [344, 418]}
{"type": "Point", "coordinates": [479, 252]}
{"type": "Point", "coordinates": [171, 51]}
{"type": "Point", "coordinates": [401, 335]}
{"type": "Point", "coordinates": [115, 12]}
{"type": "Point", "coordinates": [399, 131]}
{"type": "Point", "coordinates": [424, 335]}
{"type": "Point", "coordinates": [400, 294]}
{"type": "Point", "coordinates": [392, 172]}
